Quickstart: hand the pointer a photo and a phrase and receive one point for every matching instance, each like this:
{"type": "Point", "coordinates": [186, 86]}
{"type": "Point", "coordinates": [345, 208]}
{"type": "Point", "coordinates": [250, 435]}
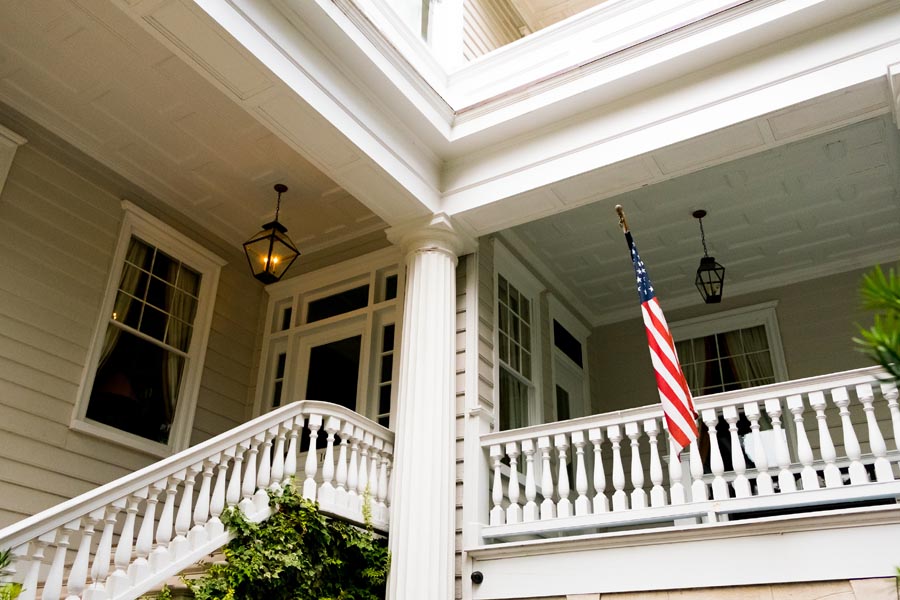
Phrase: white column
{"type": "Point", "coordinates": [422, 512]}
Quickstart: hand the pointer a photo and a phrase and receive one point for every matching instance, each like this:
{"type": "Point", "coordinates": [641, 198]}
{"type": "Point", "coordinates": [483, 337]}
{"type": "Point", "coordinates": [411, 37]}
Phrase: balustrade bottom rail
{"type": "Point", "coordinates": [239, 469]}
{"type": "Point", "coordinates": [758, 455]}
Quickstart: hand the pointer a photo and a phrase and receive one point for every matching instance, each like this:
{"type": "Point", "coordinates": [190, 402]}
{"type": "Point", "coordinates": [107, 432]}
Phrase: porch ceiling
{"type": "Point", "coordinates": [823, 205]}
{"type": "Point", "coordinates": [88, 73]}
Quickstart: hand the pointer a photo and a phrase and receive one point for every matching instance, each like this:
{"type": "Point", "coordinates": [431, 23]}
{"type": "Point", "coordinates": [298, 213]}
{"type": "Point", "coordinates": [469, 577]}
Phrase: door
{"type": "Point", "coordinates": [331, 366]}
{"type": "Point", "coordinates": [568, 388]}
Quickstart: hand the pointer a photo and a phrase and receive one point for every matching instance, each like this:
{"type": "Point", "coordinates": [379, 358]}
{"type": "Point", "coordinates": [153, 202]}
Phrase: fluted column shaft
{"type": "Point", "coordinates": [422, 510]}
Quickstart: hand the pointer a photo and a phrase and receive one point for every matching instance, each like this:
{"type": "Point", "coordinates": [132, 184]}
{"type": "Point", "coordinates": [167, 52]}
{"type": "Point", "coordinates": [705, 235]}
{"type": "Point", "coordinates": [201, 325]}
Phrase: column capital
{"type": "Point", "coordinates": [437, 232]}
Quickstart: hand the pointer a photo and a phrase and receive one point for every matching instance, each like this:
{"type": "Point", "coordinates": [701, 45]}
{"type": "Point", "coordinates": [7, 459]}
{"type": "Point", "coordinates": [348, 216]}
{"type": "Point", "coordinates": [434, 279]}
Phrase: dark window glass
{"type": "Point", "coordinates": [562, 404]}
{"type": "Point", "coordinates": [566, 342]}
{"type": "Point", "coordinates": [338, 304]}
{"type": "Point", "coordinates": [387, 365]}
{"type": "Point", "coordinates": [279, 369]}
{"type": "Point", "coordinates": [390, 287]}
{"type": "Point", "coordinates": [286, 318]}
{"type": "Point", "coordinates": [387, 344]}
{"type": "Point", "coordinates": [384, 399]}
{"type": "Point", "coordinates": [276, 395]}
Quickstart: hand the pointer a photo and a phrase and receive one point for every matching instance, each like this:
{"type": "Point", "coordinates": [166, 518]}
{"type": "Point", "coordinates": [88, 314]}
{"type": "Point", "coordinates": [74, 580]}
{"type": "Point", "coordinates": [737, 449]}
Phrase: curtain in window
{"type": "Point", "coordinates": [180, 307]}
{"type": "Point", "coordinates": [756, 364]}
{"type": "Point", "coordinates": [513, 401]}
{"type": "Point", "coordinates": [137, 254]}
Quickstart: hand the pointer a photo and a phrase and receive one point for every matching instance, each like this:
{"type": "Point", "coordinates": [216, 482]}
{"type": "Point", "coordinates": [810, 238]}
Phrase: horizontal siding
{"type": "Point", "coordinates": [488, 25]}
{"type": "Point", "coordinates": [59, 223]}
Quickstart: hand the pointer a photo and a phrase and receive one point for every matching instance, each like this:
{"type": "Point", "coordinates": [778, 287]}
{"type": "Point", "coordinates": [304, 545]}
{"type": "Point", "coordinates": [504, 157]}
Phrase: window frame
{"type": "Point", "coordinates": [515, 273]}
{"type": "Point", "coordinates": [138, 223]}
{"type": "Point", "coordinates": [9, 143]}
{"type": "Point", "coordinates": [740, 318]}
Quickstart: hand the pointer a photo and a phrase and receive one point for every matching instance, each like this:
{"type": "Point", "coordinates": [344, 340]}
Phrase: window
{"type": "Point", "coordinates": [148, 349]}
{"type": "Point", "coordinates": [569, 360]}
{"type": "Point", "coordinates": [730, 351]}
{"type": "Point", "coordinates": [517, 329]}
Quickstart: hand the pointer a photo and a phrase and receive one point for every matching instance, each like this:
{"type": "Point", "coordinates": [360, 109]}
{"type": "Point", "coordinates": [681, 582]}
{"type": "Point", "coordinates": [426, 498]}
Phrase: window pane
{"type": "Point", "coordinates": [513, 300]}
{"type": "Point", "coordinates": [127, 310]}
{"type": "Point", "coordinates": [504, 319]}
{"type": "Point", "coordinates": [189, 281]}
{"type": "Point", "coordinates": [338, 304]}
{"type": "Point", "coordinates": [178, 334]}
{"type": "Point", "coordinates": [504, 347]}
{"type": "Point", "coordinates": [526, 365]}
{"type": "Point", "coordinates": [153, 323]}
{"type": "Point", "coordinates": [276, 394]}
{"type": "Point", "coordinates": [387, 365]}
{"type": "Point", "coordinates": [390, 287]}
{"type": "Point", "coordinates": [134, 281]}
{"type": "Point", "coordinates": [526, 337]}
{"type": "Point", "coordinates": [384, 399]}
{"type": "Point", "coordinates": [165, 267]}
{"type": "Point", "coordinates": [140, 254]}
{"type": "Point", "coordinates": [526, 309]}
{"type": "Point", "coordinates": [160, 293]}
{"type": "Point", "coordinates": [566, 342]}
{"type": "Point", "coordinates": [280, 365]}
{"type": "Point", "coordinates": [503, 290]}
{"type": "Point", "coordinates": [387, 342]}
{"type": "Point", "coordinates": [562, 404]}
{"type": "Point", "coordinates": [513, 402]}
{"type": "Point", "coordinates": [136, 386]}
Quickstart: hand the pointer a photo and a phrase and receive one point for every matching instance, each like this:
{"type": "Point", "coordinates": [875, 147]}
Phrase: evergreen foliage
{"type": "Point", "coordinates": [296, 554]}
{"type": "Point", "coordinates": [881, 342]}
{"type": "Point", "coordinates": [8, 591]}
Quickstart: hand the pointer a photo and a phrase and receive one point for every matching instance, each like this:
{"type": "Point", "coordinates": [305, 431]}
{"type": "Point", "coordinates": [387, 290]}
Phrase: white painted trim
{"type": "Point", "coordinates": [739, 318]}
{"type": "Point", "coordinates": [139, 223]}
{"type": "Point", "coordinates": [9, 143]}
{"type": "Point", "coordinates": [516, 273]}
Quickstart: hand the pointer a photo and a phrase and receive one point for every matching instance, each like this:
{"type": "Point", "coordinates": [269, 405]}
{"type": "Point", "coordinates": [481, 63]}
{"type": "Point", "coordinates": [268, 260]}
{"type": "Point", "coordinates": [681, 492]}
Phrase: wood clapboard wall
{"type": "Point", "coordinates": [59, 222]}
{"type": "Point", "coordinates": [488, 25]}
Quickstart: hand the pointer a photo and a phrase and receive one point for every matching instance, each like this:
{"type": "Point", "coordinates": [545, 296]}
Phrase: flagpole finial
{"type": "Point", "coordinates": [622, 222]}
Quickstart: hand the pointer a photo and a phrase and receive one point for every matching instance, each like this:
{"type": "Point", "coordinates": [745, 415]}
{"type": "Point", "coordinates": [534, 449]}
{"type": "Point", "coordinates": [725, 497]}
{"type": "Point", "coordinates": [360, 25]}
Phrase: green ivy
{"type": "Point", "coordinates": [296, 554]}
{"type": "Point", "coordinates": [881, 342]}
{"type": "Point", "coordinates": [8, 591]}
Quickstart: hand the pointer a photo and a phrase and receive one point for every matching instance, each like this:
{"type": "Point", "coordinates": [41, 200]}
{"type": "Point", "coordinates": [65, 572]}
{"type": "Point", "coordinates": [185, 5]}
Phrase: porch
{"type": "Point", "coordinates": [812, 490]}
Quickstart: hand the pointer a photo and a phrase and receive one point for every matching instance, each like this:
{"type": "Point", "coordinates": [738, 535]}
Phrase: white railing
{"type": "Point", "coordinates": [91, 547]}
{"type": "Point", "coordinates": [768, 454]}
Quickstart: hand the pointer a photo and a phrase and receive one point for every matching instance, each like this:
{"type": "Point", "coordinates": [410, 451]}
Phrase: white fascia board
{"type": "Point", "coordinates": [816, 63]}
{"type": "Point", "coordinates": [294, 58]}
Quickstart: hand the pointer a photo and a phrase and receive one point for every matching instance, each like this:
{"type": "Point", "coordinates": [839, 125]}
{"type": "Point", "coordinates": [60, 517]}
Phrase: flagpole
{"type": "Point", "coordinates": [622, 222]}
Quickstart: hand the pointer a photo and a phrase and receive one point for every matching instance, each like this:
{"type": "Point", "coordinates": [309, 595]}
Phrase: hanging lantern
{"type": "Point", "coordinates": [270, 252]}
{"type": "Point", "coordinates": [710, 274]}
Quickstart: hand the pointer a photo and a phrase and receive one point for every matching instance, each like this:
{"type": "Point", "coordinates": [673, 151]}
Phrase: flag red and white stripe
{"type": "Point", "coordinates": [678, 406]}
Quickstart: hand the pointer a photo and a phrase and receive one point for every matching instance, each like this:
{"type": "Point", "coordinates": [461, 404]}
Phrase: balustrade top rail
{"type": "Point", "coordinates": [872, 375]}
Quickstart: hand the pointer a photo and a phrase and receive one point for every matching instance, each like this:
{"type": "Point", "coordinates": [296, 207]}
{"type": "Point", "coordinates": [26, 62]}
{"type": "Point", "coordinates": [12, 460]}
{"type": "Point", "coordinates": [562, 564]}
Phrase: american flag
{"type": "Point", "coordinates": [678, 406]}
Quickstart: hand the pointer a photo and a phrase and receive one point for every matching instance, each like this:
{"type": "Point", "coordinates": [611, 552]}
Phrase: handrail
{"type": "Point", "coordinates": [180, 498]}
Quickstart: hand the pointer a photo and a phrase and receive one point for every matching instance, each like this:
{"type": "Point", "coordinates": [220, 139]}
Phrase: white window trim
{"type": "Point", "coordinates": [507, 265]}
{"type": "Point", "coordinates": [739, 318]}
{"type": "Point", "coordinates": [153, 231]}
{"type": "Point", "coordinates": [9, 143]}
{"type": "Point", "coordinates": [558, 312]}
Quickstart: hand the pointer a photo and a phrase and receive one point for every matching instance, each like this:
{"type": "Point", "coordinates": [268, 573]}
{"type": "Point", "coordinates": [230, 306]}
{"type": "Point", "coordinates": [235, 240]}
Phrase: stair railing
{"type": "Point", "coordinates": [126, 537]}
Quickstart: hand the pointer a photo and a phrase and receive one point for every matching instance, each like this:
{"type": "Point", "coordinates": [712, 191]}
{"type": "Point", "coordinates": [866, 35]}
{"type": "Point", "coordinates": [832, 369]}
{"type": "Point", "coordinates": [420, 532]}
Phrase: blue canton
{"type": "Point", "coordinates": [644, 287]}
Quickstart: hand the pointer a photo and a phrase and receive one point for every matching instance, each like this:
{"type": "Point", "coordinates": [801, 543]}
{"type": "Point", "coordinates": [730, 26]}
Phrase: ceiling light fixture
{"type": "Point", "coordinates": [270, 252]}
{"type": "Point", "coordinates": [710, 274]}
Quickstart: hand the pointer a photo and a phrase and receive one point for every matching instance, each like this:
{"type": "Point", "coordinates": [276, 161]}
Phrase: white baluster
{"type": "Point", "coordinates": [582, 502]}
{"type": "Point", "coordinates": [826, 446]}
{"type": "Point", "coordinates": [497, 513]}
{"type": "Point", "coordinates": [763, 479]}
{"type": "Point", "coordinates": [699, 490]}
{"type": "Point", "coordinates": [100, 566]}
{"type": "Point", "coordinates": [890, 393]}
{"type": "Point", "coordinates": [676, 487]}
{"type": "Point", "coordinates": [290, 461]}
{"type": "Point", "coordinates": [248, 482]}
{"type": "Point", "coordinates": [118, 581]}
{"type": "Point", "coordinates": [620, 500]}
{"type": "Point", "coordinates": [858, 473]}
{"type": "Point", "coordinates": [638, 495]}
{"type": "Point", "coordinates": [374, 457]}
{"type": "Point", "coordinates": [383, 484]}
{"type": "Point", "coordinates": [161, 555]}
{"type": "Point", "coordinates": [353, 499]}
{"type": "Point", "coordinates": [214, 526]}
{"type": "Point", "coordinates": [77, 581]}
{"type": "Point", "coordinates": [786, 481]}
{"type": "Point", "coordinates": [233, 493]}
{"type": "Point", "coordinates": [600, 502]}
{"type": "Point", "coordinates": [341, 497]}
{"type": "Point", "coordinates": [365, 494]}
{"type": "Point", "coordinates": [530, 512]}
{"type": "Point", "coordinates": [54, 581]}
{"type": "Point", "coordinates": [312, 459]}
{"type": "Point", "coordinates": [278, 458]}
{"type": "Point", "coordinates": [563, 505]}
{"type": "Point", "coordinates": [140, 568]}
{"type": "Point", "coordinates": [180, 545]}
{"type": "Point", "coordinates": [657, 492]}
{"type": "Point", "coordinates": [876, 441]}
{"type": "Point", "coordinates": [327, 491]}
{"type": "Point", "coordinates": [808, 475]}
{"type": "Point", "coordinates": [30, 585]}
{"type": "Point", "coordinates": [198, 534]}
{"type": "Point", "coordinates": [548, 506]}
{"type": "Point", "coordinates": [513, 511]}
{"type": "Point", "coordinates": [741, 484]}
{"type": "Point", "coordinates": [716, 465]}
{"type": "Point", "coordinates": [264, 472]}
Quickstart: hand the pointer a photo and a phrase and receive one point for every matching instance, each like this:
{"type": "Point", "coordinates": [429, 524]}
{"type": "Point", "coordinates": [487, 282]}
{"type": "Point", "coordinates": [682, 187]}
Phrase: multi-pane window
{"type": "Point", "coordinates": [138, 379]}
{"type": "Point", "coordinates": [385, 375]}
{"type": "Point", "coordinates": [726, 361]}
{"type": "Point", "coordinates": [514, 340]}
